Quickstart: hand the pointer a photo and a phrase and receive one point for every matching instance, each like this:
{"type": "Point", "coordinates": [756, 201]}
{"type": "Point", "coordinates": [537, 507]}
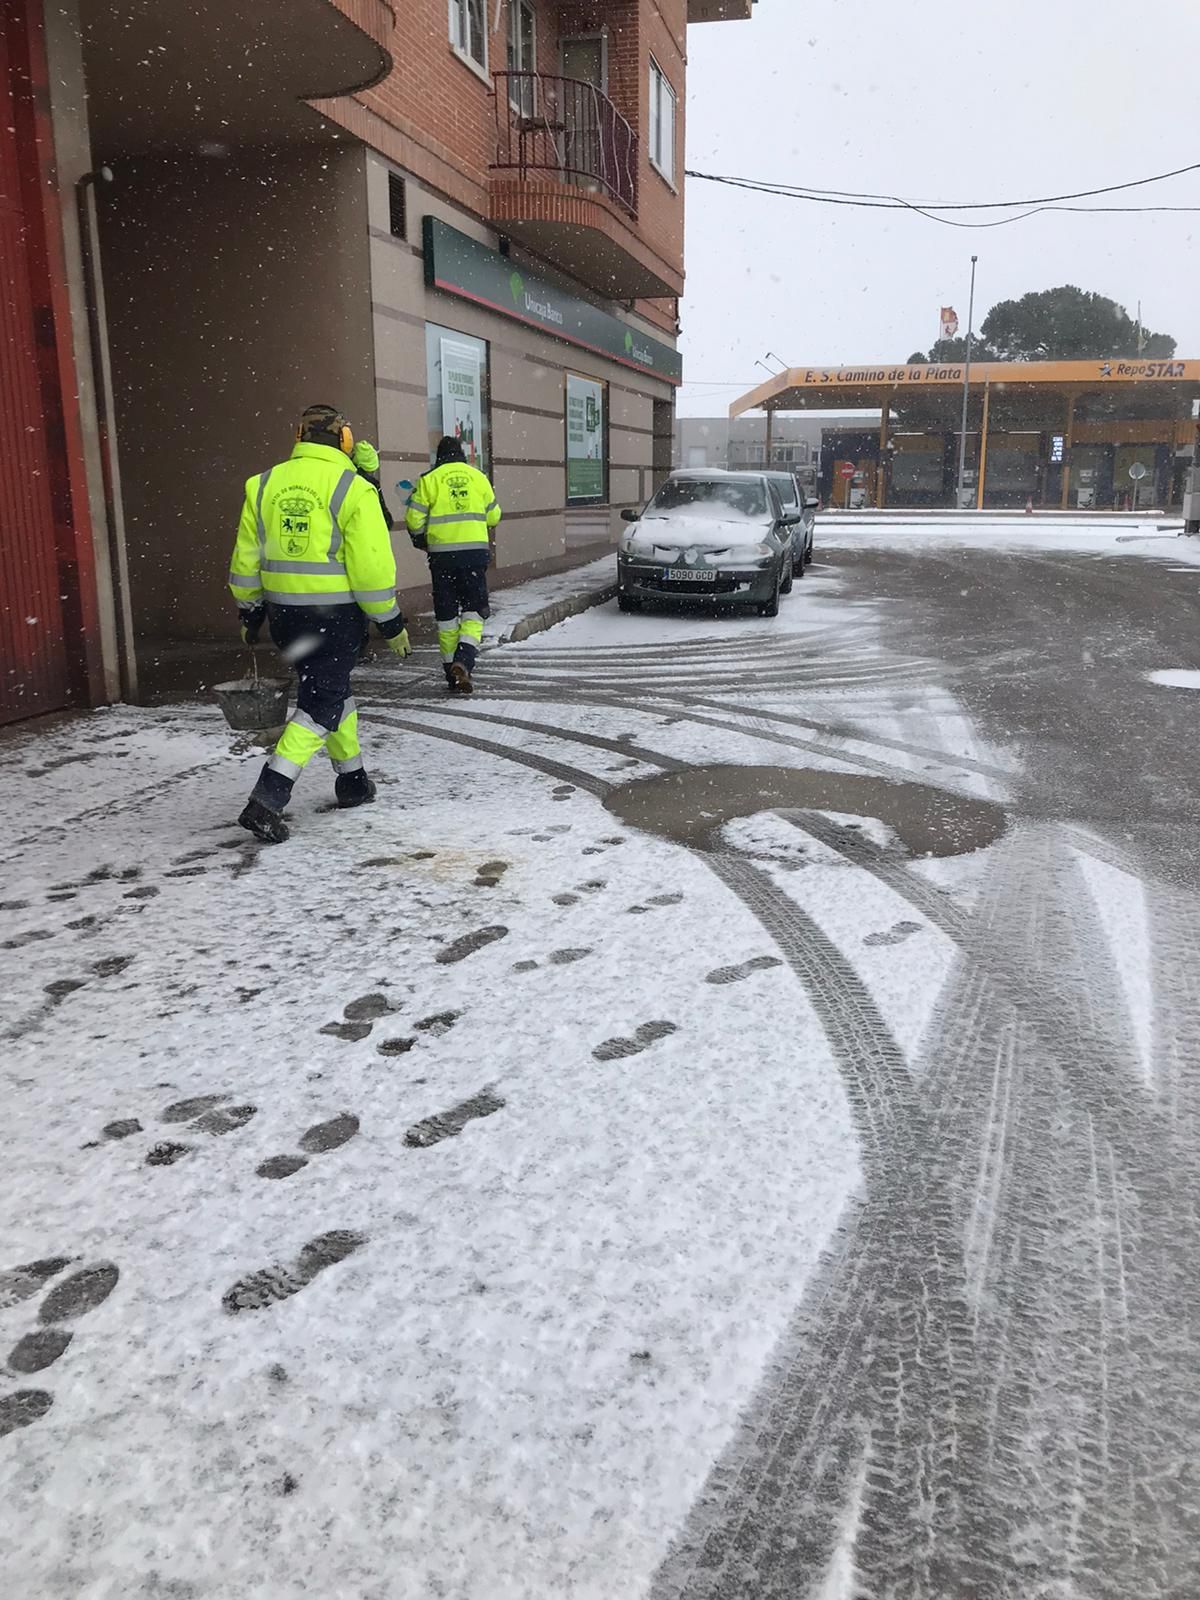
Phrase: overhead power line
{"type": "Point", "coordinates": [866, 200]}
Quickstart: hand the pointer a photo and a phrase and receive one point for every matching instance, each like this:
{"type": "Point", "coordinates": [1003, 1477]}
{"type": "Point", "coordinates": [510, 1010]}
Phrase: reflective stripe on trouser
{"type": "Point", "coordinates": [342, 744]}
{"type": "Point", "coordinates": [303, 737]}
{"type": "Point", "coordinates": [447, 631]}
{"type": "Point", "coordinates": [470, 637]}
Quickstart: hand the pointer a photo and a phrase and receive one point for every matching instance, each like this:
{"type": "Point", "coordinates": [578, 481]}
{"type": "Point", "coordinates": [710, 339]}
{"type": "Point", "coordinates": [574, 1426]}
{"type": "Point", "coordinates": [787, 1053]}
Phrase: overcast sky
{"type": "Point", "coordinates": [941, 100]}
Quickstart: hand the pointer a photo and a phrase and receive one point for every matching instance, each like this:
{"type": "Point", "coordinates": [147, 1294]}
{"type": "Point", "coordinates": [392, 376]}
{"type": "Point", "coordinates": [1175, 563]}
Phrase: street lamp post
{"type": "Point", "coordinates": [962, 437]}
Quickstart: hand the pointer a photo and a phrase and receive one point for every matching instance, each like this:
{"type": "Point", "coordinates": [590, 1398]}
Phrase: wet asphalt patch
{"type": "Point", "coordinates": [692, 807]}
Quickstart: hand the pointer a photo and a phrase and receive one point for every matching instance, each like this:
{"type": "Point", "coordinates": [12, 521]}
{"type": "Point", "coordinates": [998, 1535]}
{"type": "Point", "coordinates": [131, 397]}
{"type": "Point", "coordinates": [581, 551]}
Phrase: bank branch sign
{"type": "Point", "coordinates": [462, 266]}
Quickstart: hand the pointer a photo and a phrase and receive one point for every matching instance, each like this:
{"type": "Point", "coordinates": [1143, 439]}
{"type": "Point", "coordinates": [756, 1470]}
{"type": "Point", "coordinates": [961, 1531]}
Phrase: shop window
{"type": "Point", "coordinates": [587, 441]}
{"type": "Point", "coordinates": [468, 30]}
{"type": "Point", "coordinates": [457, 392]}
{"type": "Point", "coordinates": [662, 122]}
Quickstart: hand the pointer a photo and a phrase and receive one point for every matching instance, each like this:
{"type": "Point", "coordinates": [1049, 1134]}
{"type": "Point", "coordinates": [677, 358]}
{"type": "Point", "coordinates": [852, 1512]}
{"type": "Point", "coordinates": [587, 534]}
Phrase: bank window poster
{"type": "Point", "coordinates": [462, 397]}
{"type": "Point", "coordinates": [585, 439]}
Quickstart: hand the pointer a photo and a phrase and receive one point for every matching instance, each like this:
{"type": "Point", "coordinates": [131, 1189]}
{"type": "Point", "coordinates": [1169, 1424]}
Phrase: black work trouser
{"type": "Point", "coordinates": [323, 644]}
{"type": "Point", "coordinates": [460, 602]}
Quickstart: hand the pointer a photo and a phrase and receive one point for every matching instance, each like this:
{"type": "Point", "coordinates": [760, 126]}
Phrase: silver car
{"type": "Point", "coordinates": [795, 498]}
{"type": "Point", "coordinates": [710, 537]}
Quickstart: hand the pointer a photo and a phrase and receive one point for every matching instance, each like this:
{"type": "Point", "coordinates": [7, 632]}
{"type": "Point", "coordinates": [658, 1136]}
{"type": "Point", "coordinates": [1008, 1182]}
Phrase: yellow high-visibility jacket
{"type": "Point", "coordinates": [312, 534]}
{"type": "Point", "coordinates": [455, 507]}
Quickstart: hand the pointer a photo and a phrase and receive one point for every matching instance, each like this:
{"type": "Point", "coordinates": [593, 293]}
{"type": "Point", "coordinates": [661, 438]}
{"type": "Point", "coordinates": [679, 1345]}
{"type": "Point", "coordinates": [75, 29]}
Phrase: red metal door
{"type": "Point", "coordinates": [33, 666]}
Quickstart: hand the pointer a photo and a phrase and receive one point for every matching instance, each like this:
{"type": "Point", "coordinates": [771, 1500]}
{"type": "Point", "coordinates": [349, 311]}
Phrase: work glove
{"type": "Point", "coordinates": [420, 541]}
{"type": "Point", "coordinates": [251, 624]}
{"type": "Point", "coordinates": [365, 456]}
{"type": "Point", "coordinates": [398, 644]}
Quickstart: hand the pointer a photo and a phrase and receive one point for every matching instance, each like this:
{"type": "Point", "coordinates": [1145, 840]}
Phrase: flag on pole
{"type": "Point", "coordinates": [949, 322]}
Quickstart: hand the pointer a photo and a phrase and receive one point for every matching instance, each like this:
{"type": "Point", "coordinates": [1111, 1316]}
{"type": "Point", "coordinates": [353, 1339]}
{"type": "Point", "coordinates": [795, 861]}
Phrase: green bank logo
{"type": "Point", "coordinates": [638, 352]}
{"type": "Point", "coordinates": [516, 284]}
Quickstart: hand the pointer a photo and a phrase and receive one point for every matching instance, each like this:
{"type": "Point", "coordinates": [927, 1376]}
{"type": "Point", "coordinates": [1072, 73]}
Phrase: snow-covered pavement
{"type": "Point", "coordinates": [723, 1123]}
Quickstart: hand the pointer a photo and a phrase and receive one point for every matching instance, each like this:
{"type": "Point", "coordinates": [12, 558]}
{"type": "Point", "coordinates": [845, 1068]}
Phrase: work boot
{"type": "Point", "coordinates": [353, 789]}
{"type": "Point", "coordinates": [263, 823]}
{"type": "Point", "coordinates": [449, 676]}
{"type": "Point", "coordinates": [460, 678]}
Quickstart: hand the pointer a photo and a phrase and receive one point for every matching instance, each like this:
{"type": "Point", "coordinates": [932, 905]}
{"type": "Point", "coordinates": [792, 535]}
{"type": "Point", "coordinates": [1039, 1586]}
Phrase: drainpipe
{"type": "Point", "coordinates": [125, 668]}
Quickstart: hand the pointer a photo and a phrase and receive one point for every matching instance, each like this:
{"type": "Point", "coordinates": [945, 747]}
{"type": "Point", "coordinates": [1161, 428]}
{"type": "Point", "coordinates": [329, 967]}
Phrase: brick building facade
{"type": "Point", "coordinates": [443, 215]}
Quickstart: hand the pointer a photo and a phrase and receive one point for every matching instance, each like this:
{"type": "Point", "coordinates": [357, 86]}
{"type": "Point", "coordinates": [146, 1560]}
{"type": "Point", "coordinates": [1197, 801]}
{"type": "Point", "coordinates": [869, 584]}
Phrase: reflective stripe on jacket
{"type": "Point", "coordinates": [454, 506]}
{"type": "Point", "coordinates": [312, 533]}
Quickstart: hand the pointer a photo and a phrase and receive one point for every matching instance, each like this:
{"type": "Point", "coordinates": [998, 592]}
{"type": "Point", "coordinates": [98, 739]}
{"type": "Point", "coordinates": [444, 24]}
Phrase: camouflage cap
{"type": "Point", "coordinates": [320, 419]}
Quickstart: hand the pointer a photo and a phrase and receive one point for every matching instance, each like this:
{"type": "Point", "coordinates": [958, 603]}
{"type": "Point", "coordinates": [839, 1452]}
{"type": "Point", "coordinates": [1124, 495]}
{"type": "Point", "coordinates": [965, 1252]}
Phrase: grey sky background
{"type": "Point", "coordinates": [937, 100]}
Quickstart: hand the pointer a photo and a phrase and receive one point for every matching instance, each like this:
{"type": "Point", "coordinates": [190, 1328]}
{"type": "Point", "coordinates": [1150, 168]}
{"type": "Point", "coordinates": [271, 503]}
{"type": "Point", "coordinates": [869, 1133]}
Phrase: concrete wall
{"type": "Point", "coordinates": [237, 294]}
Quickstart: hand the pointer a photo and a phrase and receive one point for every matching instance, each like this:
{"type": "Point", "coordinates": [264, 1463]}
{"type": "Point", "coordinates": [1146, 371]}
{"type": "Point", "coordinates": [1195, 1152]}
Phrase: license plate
{"type": "Point", "coordinates": [687, 575]}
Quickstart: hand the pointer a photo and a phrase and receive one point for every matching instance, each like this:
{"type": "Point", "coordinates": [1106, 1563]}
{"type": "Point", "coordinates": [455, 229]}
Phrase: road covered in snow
{"type": "Point", "coordinates": [724, 1123]}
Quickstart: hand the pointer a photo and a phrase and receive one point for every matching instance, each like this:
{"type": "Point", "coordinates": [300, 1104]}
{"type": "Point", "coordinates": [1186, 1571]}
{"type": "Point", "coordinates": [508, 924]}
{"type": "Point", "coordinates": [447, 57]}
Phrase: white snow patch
{"type": "Point", "coordinates": [1121, 906]}
{"type": "Point", "coordinates": [1097, 535]}
{"type": "Point", "coordinates": [1176, 680]}
{"type": "Point", "coordinates": [902, 959]}
{"type": "Point", "coordinates": [840, 1582]}
{"type": "Point", "coordinates": [519, 1384]}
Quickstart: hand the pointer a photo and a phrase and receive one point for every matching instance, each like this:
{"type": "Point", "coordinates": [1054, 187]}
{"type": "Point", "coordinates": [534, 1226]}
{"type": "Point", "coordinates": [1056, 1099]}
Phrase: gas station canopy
{"type": "Point", "coordinates": [1036, 432]}
{"type": "Point", "coordinates": [869, 388]}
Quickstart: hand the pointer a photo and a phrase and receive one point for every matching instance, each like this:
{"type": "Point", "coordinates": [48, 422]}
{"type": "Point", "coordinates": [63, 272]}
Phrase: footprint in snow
{"type": "Point", "coordinates": [439, 1023]}
{"type": "Point", "coordinates": [655, 900]}
{"type": "Point", "coordinates": [65, 1303]}
{"type": "Point", "coordinates": [643, 1038]}
{"type": "Point", "coordinates": [205, 1113]}
{"type": "Point", "coordinates": [489, 874]}
{"type": "Point", "coordinates": [894, 935]}
{"type": "Point", "coordinates": [318, 1140]}
{"type": "Point", "coordinates": [260, 1289]}
{"type": "Point", "coordinates": [742, 970]}
{"type": "Point", "coordinates": [469, 943]}
{"type": "Point", "coordinates": [449, 1124]}
{"type": "Point", "coordinates": [359, 1017]}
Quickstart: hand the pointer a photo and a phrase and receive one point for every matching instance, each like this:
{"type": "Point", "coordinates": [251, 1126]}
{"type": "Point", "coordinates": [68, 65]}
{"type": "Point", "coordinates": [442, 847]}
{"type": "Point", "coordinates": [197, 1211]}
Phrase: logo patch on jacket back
{"type": "Point", "coordinates": [459, 486]}
{"type": "Point", "coordinates": [295, 515]}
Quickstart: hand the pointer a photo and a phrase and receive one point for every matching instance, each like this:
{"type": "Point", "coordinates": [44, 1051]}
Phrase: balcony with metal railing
{"type": "Point", "coordinates": [567, 130]}
{"type": "Point", "coordinates": [564, 182]}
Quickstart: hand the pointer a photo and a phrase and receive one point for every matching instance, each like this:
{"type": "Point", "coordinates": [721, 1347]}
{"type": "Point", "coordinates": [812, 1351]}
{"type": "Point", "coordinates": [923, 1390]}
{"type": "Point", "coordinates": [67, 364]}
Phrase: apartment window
{"type": "Point", "coordinates": [662, 122]}
{"type": "Point", "coordinates": [468, 30]}
{"type": "Point", "coordinates": [397, 207]}
{"type": "Point", "coordinates": [522, 55]}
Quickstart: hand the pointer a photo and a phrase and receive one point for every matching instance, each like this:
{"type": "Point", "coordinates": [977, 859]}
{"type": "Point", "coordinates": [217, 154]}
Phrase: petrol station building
{"type": "Point", "coordinates": [1054, 434]}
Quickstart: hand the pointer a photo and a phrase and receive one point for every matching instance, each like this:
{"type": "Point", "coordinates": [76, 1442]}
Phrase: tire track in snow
{"type": "Point", "coordinates": [948, 1298]}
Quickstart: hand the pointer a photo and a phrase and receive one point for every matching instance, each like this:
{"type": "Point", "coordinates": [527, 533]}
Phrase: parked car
{"type": "Point", "coordinates": [716, 537]}
{"type": "Point", "coordinates": [795, 498]}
